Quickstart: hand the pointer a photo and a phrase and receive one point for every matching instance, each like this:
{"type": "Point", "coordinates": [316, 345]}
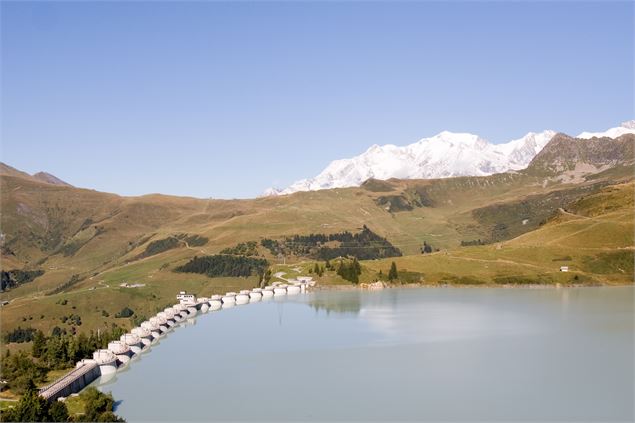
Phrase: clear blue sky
{"type": "Point", "coordinates": [227, 99]}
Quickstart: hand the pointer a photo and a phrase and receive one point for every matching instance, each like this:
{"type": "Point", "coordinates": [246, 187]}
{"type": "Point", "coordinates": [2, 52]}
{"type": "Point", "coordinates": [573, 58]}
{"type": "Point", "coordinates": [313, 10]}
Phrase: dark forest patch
{"type": "Point", "coordinates": [364, 245]}
{"type": "Point", "coordinates": [225, 265]}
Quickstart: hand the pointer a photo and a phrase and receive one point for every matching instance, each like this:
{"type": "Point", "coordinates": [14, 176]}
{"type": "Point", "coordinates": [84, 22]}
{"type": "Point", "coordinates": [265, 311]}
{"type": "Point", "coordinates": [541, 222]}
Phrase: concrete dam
{"type": "Point", "coordinates": [119, 353]}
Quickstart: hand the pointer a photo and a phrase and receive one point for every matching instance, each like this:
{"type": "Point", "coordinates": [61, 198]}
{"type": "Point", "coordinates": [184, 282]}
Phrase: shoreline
{"type": "Point", "coordinates": [351, 287]}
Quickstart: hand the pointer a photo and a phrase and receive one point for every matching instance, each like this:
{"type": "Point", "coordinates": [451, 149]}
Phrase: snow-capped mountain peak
{"type": "Point", "coordinates": [271, 191]}
{"type": "Point", "coordinates": [629, 124]}
{"type": "Point", "coordinates": [443, 155]}
{"type": "Point", "coordinates": [455, 138]}
{"type": "Point", "coordinates": [627, 127]}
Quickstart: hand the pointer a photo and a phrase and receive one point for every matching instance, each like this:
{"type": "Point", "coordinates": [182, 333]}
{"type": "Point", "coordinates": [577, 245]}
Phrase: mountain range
{"type": "Point", "coordinates": [571, 205]}
{"type": "Point", "coordinates": [446, 154]}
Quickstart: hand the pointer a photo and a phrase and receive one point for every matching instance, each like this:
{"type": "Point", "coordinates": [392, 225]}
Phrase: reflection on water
{"type": "Point", "coordinates": [398, 354]}
{"type": "Point", "coordinates": [348, 302]}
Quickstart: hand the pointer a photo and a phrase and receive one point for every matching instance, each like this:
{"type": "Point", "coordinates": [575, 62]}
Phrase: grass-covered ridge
{"type": "Point", "coordinates": [507, 220]}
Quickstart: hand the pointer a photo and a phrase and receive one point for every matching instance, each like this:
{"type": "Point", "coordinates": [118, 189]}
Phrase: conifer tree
{"type": "Point", "coordinates": [31, 407]}
{"type": "Point", "coordinates": [39, 343]}
{"type": "Point", "coordinates": [357, 268]}
{"type": "Point", "coordinates": [58, 412]}
{"type": "Point", "coordinates": [392, 274]}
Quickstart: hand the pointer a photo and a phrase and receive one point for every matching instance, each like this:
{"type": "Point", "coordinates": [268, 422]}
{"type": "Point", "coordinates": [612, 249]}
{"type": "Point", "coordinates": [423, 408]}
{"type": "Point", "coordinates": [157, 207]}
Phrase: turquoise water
{"type": "Point", "coordinates": [397, 354]}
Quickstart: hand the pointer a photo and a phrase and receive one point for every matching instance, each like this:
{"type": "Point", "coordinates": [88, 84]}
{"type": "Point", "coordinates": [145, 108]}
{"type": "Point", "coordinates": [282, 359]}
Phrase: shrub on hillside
{"type": "Point", "coordinates": [124, 313]}
{"type": "Point", "coordinates": [20, 335]}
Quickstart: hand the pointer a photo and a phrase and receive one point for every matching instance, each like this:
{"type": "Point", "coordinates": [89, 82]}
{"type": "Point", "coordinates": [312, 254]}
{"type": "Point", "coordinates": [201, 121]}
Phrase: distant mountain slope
{"type": "Point", "coordinates": [627, 127]}
{"type": "Point", "coordinates": [583, 156]}
{"type": "Point", "coordinates": [7, 170]}
{"type": "Point", "coordinates": [88, 242]}
{"type": "Point", "coordinates": [592, 237]}
{"type": "Point", "coordinates": [47, 222]}
{"type": "Point", "coordinates": [45, 177]}
{"type": "Point", "coordinates": [444, 155]}
{"type": "Point", "coordinates": [50, 179]}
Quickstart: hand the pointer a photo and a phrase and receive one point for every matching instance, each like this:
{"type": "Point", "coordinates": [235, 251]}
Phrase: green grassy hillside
{"type": "Point", "coordinates": [88, 243]}
{"type": "Point", "coordinates": [594, 238]}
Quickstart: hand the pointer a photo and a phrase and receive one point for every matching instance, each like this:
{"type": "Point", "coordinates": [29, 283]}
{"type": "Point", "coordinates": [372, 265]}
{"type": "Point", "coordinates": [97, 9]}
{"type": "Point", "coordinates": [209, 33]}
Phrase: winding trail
{"type": "Point", "coordinates": [569, 235]}
{"type": "Point", "coordinates": [280, 275]}
{"type": "Point", "coordinates": [579, 216]}
{"type": "Point", "coordinates": [497, 261]}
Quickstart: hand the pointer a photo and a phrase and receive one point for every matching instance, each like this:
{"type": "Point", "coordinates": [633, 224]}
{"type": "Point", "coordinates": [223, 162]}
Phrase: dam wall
{"type": "Point", "coordinates": [120, 352]}
{"type": "Point", "coordinates": [72, 382]}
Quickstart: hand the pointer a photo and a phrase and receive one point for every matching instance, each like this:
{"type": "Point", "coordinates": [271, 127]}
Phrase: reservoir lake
{"type": "Point", "coordinates": [452, 354]}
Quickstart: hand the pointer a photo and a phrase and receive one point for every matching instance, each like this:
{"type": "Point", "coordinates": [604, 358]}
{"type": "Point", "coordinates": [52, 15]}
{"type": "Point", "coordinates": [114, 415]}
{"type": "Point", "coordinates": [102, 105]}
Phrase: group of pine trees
{"type": "Point", "coordinates": [317, 269]}
{"type": "Point", "coordinates": [98, 407]}
{"type": "Point", "coordinates": [364, 245]}
{"type": "Point", "coordinates": [12, 278]}
{"type": "Point", "coordinates": [249, 248]}
{"type": "Point", "coordinates": [350, 270]}
{"type": "Point", "coordinates": [60, 350]}
{"type": "Point", "coordinates": [225, 265]}
{"type": "Point", "coordinates": [33, 408]}
{"type": "Point", "coordinates": [19, 335]}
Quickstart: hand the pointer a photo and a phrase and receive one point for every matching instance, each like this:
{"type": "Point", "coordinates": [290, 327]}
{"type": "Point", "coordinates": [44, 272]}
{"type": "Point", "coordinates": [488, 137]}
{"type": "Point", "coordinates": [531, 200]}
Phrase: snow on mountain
{"type": "Point", "coordinates": [627, 127]}
{"type": "Point", "coordinates": [443, 155]}
{"type": "Point", "coordinates": [271, 191]}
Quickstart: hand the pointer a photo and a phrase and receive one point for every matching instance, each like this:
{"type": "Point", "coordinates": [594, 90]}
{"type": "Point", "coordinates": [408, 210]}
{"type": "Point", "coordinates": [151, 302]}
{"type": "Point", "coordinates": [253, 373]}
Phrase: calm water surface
{"type": "Point", "coordinates": [397, 354]}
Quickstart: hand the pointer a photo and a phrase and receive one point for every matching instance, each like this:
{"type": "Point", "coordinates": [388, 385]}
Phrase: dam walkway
{"type": "Point", "coordinates": [73, 381]}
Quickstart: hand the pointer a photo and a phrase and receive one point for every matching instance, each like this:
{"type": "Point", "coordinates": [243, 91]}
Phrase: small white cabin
{"type": "Point", "coordinates": [185, 298]}
{"type": "Point", "coordinates": [564, 268]}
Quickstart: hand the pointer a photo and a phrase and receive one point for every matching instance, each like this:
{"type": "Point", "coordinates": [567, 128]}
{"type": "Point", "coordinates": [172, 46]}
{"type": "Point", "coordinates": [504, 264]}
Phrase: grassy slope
{"type": "Point", "coordinates": [595, 239]}
{"type": "Point", "coordinates": [46, 218]}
